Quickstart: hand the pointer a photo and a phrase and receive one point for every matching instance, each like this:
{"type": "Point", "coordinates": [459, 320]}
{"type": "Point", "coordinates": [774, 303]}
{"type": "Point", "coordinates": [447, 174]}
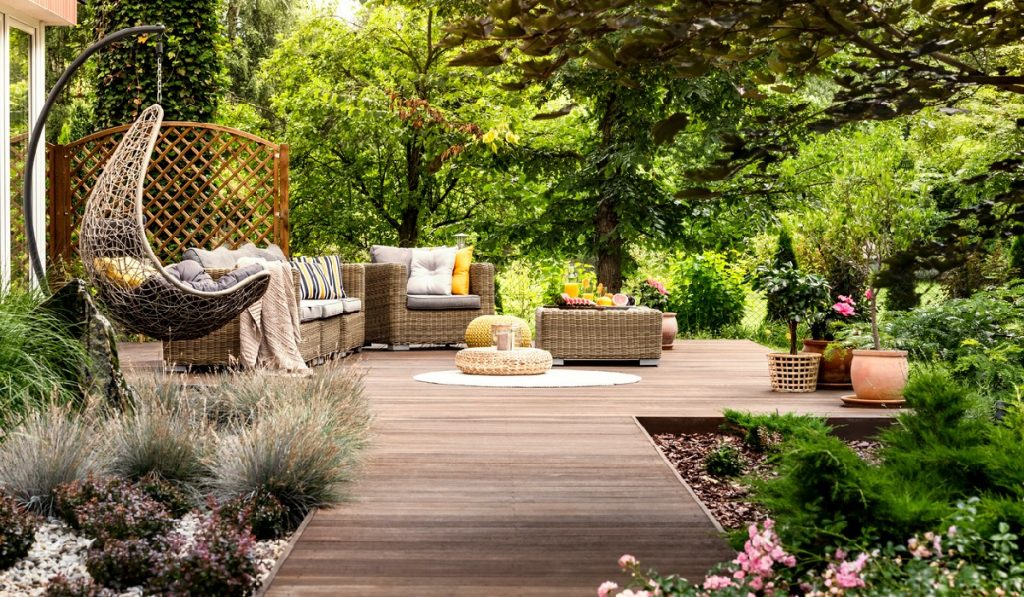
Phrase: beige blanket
{"type": "Point", "coordinates": [269, 333]}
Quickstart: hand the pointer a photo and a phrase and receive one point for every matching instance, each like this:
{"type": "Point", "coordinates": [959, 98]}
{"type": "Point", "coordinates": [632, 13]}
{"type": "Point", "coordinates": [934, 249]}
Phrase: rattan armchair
{"type": "Point", "coordinates": [390, 321]}
{"type": "Point", "coordinates": [321, 338]}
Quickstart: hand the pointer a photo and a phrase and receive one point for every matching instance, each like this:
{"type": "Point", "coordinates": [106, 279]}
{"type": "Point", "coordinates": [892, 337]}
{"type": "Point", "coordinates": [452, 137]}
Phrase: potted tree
{"type": "Point", "coordinates": [836, 359]}
{"type": "Point", "coordinates": [796, 295]}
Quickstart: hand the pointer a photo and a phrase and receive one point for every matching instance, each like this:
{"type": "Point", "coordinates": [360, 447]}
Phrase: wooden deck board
{"type": "Point", "coordinates": [483, 491]}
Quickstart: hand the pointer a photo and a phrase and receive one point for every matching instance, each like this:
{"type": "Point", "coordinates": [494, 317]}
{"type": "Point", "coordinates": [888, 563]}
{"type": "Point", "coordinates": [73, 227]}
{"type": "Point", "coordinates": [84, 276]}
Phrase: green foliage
{"type": "Point", "coordinates": [706, 293]}
{"type": "Point", "coordinates": [784, 254]}
{"type": "Point", "coordinates": [796, 295]}
{"type": "Point", "coordinates": [762, 433]}
{"type": "Point", "coordinates": [1017, 257]}
{"type": "Point", "coordinates": [946, 449]}
{"type": "Point", "coordinates": [40, 361]}
{"type": "Point", "coordinates": [192, 66]}
{"type": "Point", "coordinates": [724, 461]}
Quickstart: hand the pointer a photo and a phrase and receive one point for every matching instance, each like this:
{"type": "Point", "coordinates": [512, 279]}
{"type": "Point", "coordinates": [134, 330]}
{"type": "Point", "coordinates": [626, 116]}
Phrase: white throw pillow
{"type": "Point", "coordinates": [431, 271]}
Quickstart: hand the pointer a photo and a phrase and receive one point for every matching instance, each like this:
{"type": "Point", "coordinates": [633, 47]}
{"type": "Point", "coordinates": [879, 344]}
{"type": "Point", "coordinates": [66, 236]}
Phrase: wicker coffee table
{"type": "Point", "coordinates": [490, 361]}
{"type": "Point", "coordinates": [600, 335]}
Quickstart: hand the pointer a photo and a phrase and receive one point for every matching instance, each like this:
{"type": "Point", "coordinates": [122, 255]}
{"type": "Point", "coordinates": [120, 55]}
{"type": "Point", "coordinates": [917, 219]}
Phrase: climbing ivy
{"type": "Point", "coordinates": [193, 76]}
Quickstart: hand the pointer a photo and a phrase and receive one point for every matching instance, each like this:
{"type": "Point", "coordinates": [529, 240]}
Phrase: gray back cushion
{"type": "Point", "coordinates": [431, 271]}
{"type": "Point", "coordinates": [224, 258]}
{"type": "Point", "coordinates": [384, 254]}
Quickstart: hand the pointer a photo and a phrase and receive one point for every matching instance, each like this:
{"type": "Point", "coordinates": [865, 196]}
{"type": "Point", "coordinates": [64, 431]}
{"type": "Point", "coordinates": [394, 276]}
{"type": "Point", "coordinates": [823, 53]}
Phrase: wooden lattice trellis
{"type": "Point", "coordinates": [207, 186]}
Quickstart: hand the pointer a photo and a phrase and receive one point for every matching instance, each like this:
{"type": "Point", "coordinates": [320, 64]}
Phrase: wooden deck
{"type": "Point", "coordinates": [479, 491]}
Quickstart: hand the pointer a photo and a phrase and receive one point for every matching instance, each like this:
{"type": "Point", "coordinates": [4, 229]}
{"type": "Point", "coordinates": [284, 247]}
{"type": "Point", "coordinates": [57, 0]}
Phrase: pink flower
{"type": "Point", "coordinates": [631, 593]}
{"type": "Point", "coordinates": [627, 561]}
{"type": "Point", "coordinates": [844, 309]}
{"type": "Point", "coordinates": [951, 531]}
{"type": "Point", "coordinates": [713, 583]}
{"type": "Point", "coordinates": [606, 588]}
{"type": "Point", "coordinates": [847, 299]}
{"type": "Point", "coordinates": [869, 294]}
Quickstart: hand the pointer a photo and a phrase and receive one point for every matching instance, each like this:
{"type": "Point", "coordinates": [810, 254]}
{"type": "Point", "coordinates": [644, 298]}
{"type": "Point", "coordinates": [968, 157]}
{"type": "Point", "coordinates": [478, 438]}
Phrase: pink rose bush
{"type": "Point", "coordinates": [652, 293]}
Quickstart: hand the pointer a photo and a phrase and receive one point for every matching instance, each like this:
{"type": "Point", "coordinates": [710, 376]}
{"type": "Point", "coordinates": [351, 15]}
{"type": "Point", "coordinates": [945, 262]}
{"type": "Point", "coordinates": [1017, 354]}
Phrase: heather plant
{"type": "Point", "coordinates": [112, 509]}
{"type": "Point", "coordinates": [219, 562]}
{"type": "Point", "coordinates": [121, 564]}
{"type": "Point", "coordinates": [260, 512]}
{"type": "Point", "coordinates": [17, 531]}
{"type": "Point", "coordinates": [81, 586]}
{"type": "Point", "coordinates": [49, 448]}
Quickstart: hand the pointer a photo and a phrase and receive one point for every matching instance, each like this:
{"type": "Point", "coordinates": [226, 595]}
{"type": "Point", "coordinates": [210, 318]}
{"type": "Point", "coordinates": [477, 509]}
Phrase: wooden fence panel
{"type": "Point", "coordinates": [207, 186]}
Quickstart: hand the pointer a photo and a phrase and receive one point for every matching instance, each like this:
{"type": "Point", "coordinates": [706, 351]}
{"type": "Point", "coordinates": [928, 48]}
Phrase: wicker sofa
{"type": "Point", "coordinates": [321, 337]}
{"type": "Point", "coordinates": [395, 319]}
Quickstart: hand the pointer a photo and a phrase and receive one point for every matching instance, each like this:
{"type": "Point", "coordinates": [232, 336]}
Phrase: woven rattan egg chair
{"type": "Point", "coordinates": [130, 280]}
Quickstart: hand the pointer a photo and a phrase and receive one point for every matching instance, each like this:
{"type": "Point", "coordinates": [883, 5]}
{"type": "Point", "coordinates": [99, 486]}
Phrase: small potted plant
{"type": "Point", "coordinates": [797, 296]}
{"type": "Point", "coordinates": [834, 368]}
{"type": "Point", "coordinates": [652, 293]}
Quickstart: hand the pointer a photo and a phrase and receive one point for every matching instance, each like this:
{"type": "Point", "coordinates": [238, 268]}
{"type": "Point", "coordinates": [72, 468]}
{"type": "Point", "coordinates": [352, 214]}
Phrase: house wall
{"type": "Point", "coordinates": [22, 47]}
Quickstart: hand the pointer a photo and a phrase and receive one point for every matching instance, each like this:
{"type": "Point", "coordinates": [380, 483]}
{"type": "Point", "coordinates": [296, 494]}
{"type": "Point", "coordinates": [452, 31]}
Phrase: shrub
{"type": "Point", "coordinates": [784, 254]}
{"type": "Point", "coordinates": [50, 448]}
{"type": "Point", "coordinates": [260, 512]}
{"type": "Point", "coordinates": [62, 586]}
{"type": "Point", "coordinates": [706, 293]}
{"type": "Point", "coordinates": [17, 531]}
{"type": "Point", "coordinates": [220, 562]}
{"type": "Point", "coordinates": [108, 509]}
{"type": "Point", "coordinates": [301, 445]}
{"type": "Point", "coordinates": [764, 432]}
{"type": "Point", "coordinates": [177, 502]}
{"type": "Point", "coordinates": [725, 461]}
{"type": "Point", "coordinates": [158, 438]}
{"type": "Point", "coordinates": [122, 564]}
{"type": "Point", "coordinates": [39, 361]}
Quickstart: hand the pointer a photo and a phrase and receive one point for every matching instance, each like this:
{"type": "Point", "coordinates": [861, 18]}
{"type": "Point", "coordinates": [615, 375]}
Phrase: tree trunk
{"type": "Point", "coordinates": [792, 336]}
{"type": "Point", "coordinates": [409, 227]}
{"type": "Point", "coordinates": [610, 249]}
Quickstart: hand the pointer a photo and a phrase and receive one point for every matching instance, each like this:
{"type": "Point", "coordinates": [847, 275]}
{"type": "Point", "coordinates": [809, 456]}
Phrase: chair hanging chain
{"type": "Point", "coordinates": [159, 69]}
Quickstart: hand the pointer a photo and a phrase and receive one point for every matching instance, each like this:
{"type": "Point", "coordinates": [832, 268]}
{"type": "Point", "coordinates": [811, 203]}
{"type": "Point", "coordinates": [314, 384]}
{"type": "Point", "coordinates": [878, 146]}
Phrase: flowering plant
{"type": "Point", "coordinates": [841, 311]}
{"type": "Point", "coordinates": [652, 293]}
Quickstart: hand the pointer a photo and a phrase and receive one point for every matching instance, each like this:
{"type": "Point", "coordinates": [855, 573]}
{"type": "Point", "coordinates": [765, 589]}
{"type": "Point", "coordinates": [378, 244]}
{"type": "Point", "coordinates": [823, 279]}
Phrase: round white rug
{"type": "Point", "coordinates": [555, 378]}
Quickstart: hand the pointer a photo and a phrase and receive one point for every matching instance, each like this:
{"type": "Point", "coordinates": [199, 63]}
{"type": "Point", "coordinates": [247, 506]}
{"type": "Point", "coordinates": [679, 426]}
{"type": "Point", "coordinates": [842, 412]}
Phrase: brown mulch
{"type": "Point", "coordinates": [728, 499]}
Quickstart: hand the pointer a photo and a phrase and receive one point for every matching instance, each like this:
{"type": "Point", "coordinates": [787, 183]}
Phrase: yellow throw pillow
{"type": "Point", "coordinates": [127, 272]}
{"type": "Point", "coordinates": [460, 275]}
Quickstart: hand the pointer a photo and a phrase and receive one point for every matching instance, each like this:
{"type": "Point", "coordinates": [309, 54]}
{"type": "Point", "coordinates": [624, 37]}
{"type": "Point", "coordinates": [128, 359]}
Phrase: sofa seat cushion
{"type": "Point", "coordinates": [446, 302]}
{"type": "Point", "coordinates": [352, 305]}
{"type": "Point", "coordinates": [313, 310]}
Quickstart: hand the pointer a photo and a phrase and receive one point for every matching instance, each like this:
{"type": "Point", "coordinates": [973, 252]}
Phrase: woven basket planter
{"type": "Point", "coordinates": [793, 372]}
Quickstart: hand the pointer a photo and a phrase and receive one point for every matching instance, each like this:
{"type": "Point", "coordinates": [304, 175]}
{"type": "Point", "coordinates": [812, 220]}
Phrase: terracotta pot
{"type": "Point", "coordinates": [834, 370]}
{"type": "Point", "coordinates": [669, 329]}
{"type": "Point", "coordinates": [879, 374]}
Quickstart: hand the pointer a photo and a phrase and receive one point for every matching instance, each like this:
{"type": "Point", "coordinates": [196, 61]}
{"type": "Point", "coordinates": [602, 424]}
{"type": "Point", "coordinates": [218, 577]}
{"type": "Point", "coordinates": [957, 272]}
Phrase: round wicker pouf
{"type": "Point", "coordinates": [490, 361]}
{"type": "Point", "coordinates": [793, 372]}
{"type": "Point", "coordinates": [478, 333]}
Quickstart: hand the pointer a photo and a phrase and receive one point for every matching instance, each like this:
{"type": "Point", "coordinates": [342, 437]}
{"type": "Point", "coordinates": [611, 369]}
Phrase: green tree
{"type": "Point", "coordinates": [784, 254]}
{"type": "Point", "coordinates": [191, 61]}
{"type": "Point", "coordinates": [389, 143]}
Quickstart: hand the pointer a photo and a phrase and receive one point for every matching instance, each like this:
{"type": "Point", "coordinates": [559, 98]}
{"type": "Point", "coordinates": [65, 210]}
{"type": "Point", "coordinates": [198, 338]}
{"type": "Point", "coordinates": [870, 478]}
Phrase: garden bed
{"type": "Point", "coordinates": [727, 498]}
{"type": "Point", "coordinates": [60, 550]}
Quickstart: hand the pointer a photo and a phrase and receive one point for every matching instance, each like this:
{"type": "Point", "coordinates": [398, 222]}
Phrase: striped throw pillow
{"type": "Point", "coordinates": [320, 277]}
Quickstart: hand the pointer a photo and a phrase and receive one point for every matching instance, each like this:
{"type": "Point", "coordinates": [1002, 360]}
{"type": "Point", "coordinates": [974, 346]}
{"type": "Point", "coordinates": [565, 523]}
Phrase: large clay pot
{"type": "Point", "coordinates": [879, 374]}
{"type": "Point", "coordinates": [669, 329]}
{"type": "Point", "coordinates": [834, 367]}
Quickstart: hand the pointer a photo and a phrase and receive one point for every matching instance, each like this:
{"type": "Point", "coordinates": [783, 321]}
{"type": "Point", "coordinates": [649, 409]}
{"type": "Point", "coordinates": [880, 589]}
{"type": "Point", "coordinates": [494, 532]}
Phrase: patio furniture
{"type": "Point", "coordinates": [490, 361]}
{"type": "Point", "coordinates": [600, 335]}
{"type": "Point", "coordinates": [326, 329]}
{"type": "Point", "coordinates": [478, 333]}
{"type": "Point", "coordinates": [398, 319]}
{"type": "Point", "coordinates": [131, 282]}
